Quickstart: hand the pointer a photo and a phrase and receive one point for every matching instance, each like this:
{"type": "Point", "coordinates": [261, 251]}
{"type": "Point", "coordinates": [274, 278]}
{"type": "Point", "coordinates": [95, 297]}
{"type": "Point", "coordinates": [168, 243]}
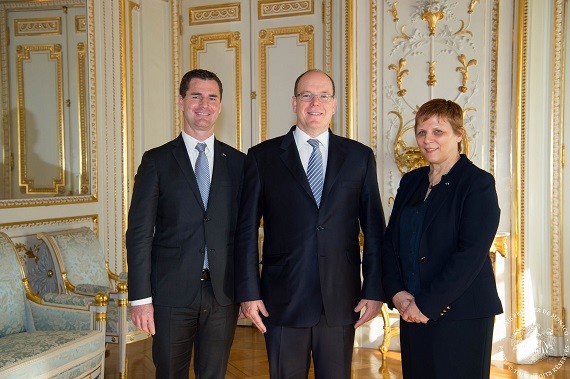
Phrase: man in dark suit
{"type": "Point", "coordinates": [314, 191]}
{"type": "Point", "coordinates": [180, 239]}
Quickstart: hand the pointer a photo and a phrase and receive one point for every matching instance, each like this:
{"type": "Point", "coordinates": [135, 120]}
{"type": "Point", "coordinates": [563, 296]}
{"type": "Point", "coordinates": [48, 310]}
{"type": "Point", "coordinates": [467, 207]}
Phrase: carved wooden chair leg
{"type": "Point", "coordinates": [389, 332]}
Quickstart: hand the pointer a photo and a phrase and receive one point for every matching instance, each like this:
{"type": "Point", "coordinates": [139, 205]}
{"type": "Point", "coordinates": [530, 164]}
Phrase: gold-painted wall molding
{"type": "Point", "coordinates": [266, 39]}
{"type": "Point", "coordinates": [286, 8]}
{"type": "Point", "coordinates": [37, 26]}
{"type": "Point", "coordinates": [233, 41]}
{"type": "Point", "coordinates": [559, 45]}
{"type": "Point", "coordinates": [212, 14]}
{"type": "Point", "coordinates": [27, 183]}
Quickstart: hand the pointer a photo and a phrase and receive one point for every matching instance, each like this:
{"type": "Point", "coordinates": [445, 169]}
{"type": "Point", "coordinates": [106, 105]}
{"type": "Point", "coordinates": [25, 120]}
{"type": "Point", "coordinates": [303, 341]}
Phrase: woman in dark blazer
{"type": "Point", "coordinates": [436, 266]}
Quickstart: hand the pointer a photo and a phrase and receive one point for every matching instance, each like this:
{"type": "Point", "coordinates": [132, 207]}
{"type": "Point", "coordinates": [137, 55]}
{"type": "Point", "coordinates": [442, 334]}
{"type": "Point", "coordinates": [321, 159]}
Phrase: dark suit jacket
{"type": "Point", "coordinates": [311, 257]}
{"type": "Point", "coordinates": [168, 226]}
{"type": "Point", "coordinates": [456, 275]}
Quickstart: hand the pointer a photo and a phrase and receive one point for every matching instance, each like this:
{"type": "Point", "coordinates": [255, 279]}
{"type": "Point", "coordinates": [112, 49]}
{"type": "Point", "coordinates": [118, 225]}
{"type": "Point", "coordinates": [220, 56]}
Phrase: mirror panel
{"type": "Point", "coordinates": [48, 125]}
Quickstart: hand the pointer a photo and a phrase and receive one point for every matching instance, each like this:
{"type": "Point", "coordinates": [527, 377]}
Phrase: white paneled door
{"type": "Point", "coordinates": [257, 48]}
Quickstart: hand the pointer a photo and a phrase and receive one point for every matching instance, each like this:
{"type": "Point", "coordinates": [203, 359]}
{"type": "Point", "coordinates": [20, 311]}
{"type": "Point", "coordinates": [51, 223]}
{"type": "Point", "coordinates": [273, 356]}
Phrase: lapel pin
{"type": "Point", "coordinates": [446, 183]}
{"type": "Point", "coordinates": [224, 154]}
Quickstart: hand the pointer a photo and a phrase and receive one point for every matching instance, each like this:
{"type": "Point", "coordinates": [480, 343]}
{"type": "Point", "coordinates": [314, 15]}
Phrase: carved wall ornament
{"type": "Point", "coordinates": [400, 73]}
{"type": "Point", "coordinates": [80, 24]}
{"type": "Point", "coordinates": [464, 70]}
{"type": "Point", "coordinates": [394, 11]}
{"type": "Point", "coordinates": [271, 8]}
{"type": "Point", "coordinates": [374, 34]}
{"type": "Point", "coordinates": [438, 31]}
{"type": "Point", "coordinates": [409, 157]}
{"type": "Point", "coordinates": [37, 26]}
{"type": "Point", "coordinates": [211, 14]}
{"type": "Point", "coordinates": [431, 76]}
{"type": "Point", "coordinates": [472, 6]}
{"type": "Point", "coordinates": [432, 18]}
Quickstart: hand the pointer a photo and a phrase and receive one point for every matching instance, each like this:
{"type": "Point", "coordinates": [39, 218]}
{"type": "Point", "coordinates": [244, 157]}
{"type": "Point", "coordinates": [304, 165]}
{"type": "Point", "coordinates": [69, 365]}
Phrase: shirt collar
{"type": "Point", "coordinates": [301, 138]}
{"type": "Point", "coordinates": [191, 142]}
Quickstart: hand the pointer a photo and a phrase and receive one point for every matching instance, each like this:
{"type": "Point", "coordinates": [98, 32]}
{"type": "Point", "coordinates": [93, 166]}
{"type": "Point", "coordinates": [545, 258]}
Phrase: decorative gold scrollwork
{"type": "Point", "coordinates": [431, 76]}
{"type": "Point", "coordinates": [394, 10]}
{"type": "Point", "coordinates": [418, 44]}
{"type": "Point", "coordinates": [464, 70]}
{"type": "Point", "coordinates": [463, 30]}
{"type": "Point", "coordinates": [409, 158]}
{"type": "Point", "coordinates": [472, 6]}
{"type": "Point", "coordinates": [400, 73]}
{"type": "Point", "coordinates": [402, 35]}
{"type": "Point", "coordinates": [500, 245]}
{"type": "Point", "coordinates": [432, 18]}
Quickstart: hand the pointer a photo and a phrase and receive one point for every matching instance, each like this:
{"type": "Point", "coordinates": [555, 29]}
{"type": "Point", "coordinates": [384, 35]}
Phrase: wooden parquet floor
{"type": "Point", "coordinates": [248, 360]}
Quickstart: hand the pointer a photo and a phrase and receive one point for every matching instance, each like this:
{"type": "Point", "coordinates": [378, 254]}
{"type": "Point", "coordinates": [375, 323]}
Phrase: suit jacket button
{"type": "Point", "coordinates": [423, 259]}
{"type": "Point", "coordinates": [206, 219]}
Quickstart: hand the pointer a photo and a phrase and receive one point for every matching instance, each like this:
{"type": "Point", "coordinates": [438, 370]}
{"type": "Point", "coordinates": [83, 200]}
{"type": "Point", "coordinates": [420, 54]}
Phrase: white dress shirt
{"type": "Point", "coordinates": [305, 149]}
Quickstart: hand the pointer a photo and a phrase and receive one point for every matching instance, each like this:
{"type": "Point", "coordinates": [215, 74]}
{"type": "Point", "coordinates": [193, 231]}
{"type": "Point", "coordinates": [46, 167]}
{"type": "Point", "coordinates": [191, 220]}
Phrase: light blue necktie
{"type": "Point", "coordinates": [315, 171]}
{"type": "Point", "coordinates": [202, 172]}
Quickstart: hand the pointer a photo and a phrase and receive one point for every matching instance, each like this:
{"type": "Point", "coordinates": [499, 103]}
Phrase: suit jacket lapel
{"type": "Point", "coordinates": [181, 155]}
{"type": "Point", "coordinates": [291, 159]}
{"type": "Point", "coordinates": [220, 173]}
{"type": "Point", "coordinates": [336, 158]}
{"type": "Point", "coordinates": [444, 189]}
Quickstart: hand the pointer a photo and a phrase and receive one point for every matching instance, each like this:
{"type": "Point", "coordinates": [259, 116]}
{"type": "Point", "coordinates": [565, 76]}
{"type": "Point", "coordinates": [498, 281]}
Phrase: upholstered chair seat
{"type": "Point", "coordinates": [41, 340]}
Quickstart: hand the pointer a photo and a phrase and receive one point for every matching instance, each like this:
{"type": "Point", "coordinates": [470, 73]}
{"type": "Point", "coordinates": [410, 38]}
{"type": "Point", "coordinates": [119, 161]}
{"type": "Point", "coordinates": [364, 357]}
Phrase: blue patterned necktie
{"type": "Point", "coordinates": [315, 171]}
{"type": "Point", "coordinates": [202, 172]}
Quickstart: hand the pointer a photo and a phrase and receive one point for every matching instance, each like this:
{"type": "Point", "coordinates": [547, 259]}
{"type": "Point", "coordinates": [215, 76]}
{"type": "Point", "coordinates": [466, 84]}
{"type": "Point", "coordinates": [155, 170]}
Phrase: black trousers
{"type": "Point", "coordinates": [204, 326]}
{"type": "Point", "coordinates": [447, 349]}
{"type": "Point", "coordinates": [289, 351]}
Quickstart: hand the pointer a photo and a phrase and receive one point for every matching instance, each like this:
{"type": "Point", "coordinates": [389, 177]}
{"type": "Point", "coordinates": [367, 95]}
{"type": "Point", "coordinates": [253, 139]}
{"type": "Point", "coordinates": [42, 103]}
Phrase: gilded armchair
{"type": "Point", "coordinates": [39, 339]}
{"type": "Point", "coordinates": [82, 269]}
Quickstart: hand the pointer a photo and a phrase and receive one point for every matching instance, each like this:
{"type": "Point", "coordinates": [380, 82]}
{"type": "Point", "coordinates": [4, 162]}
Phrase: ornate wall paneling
{"type": "Point", "coordinates": [565, 197]}
{"type": "Point", "coordinates": [257, 48]}
{"type": "Point", "coordinates": [48, 131]}
{"type": "Point", "coordinates": [112, 111]}
{"type": "Point", "coordinates": [145, 70]}
{"type": "Point", "coordinates": [538, 308]}
{"type": "Point", "coordinates": [131, 95]}
{"type": "Point", "coordinates": [56, 39]}
{"type": "Point", "coordinates": [213, 36]}
{"type": "Point", "coordinates": [558, 322]}
{"type": "Point", "coordinates": [436, 49]}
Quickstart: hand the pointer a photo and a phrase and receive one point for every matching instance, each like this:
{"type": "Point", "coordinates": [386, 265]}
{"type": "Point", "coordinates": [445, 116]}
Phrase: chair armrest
{"type": "Point", "coordinates": [111, 274]}
{"type": "Point", "coordinates": [58, 317]}
{"type": "Point", "coordinates": [122, 277]}
{"type": "Point", "coordinates": [67, 299]}
{"type": "Point", "coordinates": [90, 289]}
